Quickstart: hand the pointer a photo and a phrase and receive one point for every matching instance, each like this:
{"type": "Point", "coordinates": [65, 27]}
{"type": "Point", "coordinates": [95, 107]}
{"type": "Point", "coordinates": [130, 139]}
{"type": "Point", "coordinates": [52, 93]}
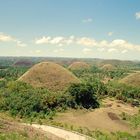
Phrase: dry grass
{"type": "Point", "coordinates": [49, 75]}
{"type": "Point", "coordinates": [105, 118]}
{"type": "Point", "coordinates": [108, 67]}
{"type": "Point", "coordinates": [132, 79]}
{"type": "Point", "coordinates": [79, 65]}
{"type": "Point", "coordinates": [11, 127]}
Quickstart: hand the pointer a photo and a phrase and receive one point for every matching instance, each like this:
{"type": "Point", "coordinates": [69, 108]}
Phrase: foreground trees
{"type": "Point", "coordinates": [84, 95]}
{"type": "Point", "coordinates": [21, 99]}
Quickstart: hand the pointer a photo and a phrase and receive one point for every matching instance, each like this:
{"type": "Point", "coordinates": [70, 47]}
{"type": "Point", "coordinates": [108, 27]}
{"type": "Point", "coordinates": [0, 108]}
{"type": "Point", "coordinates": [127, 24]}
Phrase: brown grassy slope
{"type": "Point", "coordinates": [8, 129]}
{"type": "Point", "coordinates": [106, 118]}
{"type": "Point", "coordinates": [79, 65]}
{"type": "Point", "coordinates": [132, 79]}
{"type": "Point", "coordinates": [108, 67]}
{"type": "Point", "coordinates": [49, 75]}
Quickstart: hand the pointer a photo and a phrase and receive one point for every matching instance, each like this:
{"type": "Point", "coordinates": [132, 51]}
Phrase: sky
{"type": "Point", "coordinates": [108, 29]}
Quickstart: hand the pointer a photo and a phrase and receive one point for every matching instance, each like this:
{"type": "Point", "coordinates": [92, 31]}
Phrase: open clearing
{"type": "Point", "coordinates": [105, 118]}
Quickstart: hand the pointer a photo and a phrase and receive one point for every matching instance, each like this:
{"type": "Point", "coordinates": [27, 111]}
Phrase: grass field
{"type": "Point", "coordinates": [106, 118]}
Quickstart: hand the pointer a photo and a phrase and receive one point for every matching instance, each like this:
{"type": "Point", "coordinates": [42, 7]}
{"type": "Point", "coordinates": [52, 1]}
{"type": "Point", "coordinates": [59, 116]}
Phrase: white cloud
{"type": "Point", "coordinates": [86, 41]}
{"type": "Point", "coordinates": [86, 50]}
{"type": "Point", "coordinates": [137, 15]}
{"type": "Point", "coordinates": [87, 20]}
{"type": "Point", "coordinates": [60, 41]}
{"type": "Point", "coordinates": [101, 49]}
{"type": "Point", "coordinates": [57, 40]}
{"type": "Point", "coordinates": [37, 51]}
{"type": "Point", "coordinates": [20, 44]}
{"type": "Point", "coordinates": [103, 43]}
{"type": "Point", "coordinates": [58, 50]}
{"type": "Point", "coordinates": [8, 38]}
{"type": "Point", "coordinates": [110, 33]}
{"type": "Point", "coordinates": [43, 40]}
{"type": "Point", "coordinates": [112, 50]}
{"type": "Point", "coordinates": [124, 51]}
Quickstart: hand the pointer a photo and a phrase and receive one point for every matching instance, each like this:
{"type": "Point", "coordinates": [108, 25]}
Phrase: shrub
{"type": "Point", "coordinates": [83, 95]}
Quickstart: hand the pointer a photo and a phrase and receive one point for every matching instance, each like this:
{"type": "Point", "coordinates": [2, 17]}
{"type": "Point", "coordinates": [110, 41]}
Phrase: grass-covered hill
{"type": "Point", "coordinates": [132, 79]}
{"type": "Point", "coordinates": [79, 65]}
{"type": "Point", "coordinates": [50, 75]}
{"type": "Point", "coordinates": [23, 63]}
{"type": "Point", "coordinates": [108, 67]}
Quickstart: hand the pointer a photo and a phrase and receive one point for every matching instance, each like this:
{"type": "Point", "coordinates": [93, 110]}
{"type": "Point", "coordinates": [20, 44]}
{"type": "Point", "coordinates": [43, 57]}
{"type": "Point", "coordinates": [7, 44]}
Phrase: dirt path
{"type": "Point", "coordinates": [66, 135]}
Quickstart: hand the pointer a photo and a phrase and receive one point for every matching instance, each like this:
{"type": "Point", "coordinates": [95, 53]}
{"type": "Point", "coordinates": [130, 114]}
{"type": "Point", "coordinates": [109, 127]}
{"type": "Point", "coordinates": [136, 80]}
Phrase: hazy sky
{"type": "Point", "coordinates": [70, 28]}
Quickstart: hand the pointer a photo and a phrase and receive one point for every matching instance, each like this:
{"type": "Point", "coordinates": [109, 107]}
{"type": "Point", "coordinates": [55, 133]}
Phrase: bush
{"type": "Point", "coordinates": [83, 95]}
{"type": "Point", "coordinates": [124, 92]}
{"type": "Point", "coordinates": [21, 99]}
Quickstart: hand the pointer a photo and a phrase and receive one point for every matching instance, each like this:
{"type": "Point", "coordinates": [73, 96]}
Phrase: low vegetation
{"type": "Point", "coordinates": [30, 102]}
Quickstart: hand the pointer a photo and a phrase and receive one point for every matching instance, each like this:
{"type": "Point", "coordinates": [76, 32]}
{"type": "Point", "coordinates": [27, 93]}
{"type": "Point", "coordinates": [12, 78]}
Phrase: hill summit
{"type": "Point", "coordinates": [79, 65]}
{"type": "Point", "coordinates": [49, 75]}
{"type": "Point", "coordinates": [108, 67]}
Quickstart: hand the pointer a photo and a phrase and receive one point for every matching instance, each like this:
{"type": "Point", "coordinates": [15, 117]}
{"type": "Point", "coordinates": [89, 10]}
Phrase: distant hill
{"type": "Point", "coordinates": [23, 63]}
{"type": "Point", "coordinates": [79, 65]}
{"type": "Point", "coordinates": [49, 75]}
{"type": "Point", "coordinates": [132, 79]}
{"type": "Point", "coordinates": [108, 67]}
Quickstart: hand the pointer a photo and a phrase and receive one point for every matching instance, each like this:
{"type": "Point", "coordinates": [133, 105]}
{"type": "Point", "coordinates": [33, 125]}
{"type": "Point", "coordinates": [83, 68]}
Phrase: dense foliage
{"type": "Point", "coordinates": [123, 92]}
{"type": "Point", "coordinates": [12, 73]}
{"type": "Point", "coordinates": [84, 95]}
{"type": "Point", "coordinates": [106, 83]}
{"type": "Point", "coordinates": [21, 99]}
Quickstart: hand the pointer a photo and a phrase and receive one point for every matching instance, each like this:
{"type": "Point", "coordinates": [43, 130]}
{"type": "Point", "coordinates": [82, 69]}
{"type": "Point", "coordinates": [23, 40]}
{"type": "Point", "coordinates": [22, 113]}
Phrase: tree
{"type": "Point", "coordinates": [84, 95]}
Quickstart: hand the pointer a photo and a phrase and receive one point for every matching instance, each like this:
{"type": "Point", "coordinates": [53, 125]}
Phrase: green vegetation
{"type": "Point", "coordinates": [124, 92]}
{"type": "Point", "coordinates": [30, 102]}
{"type": "Point", "coordinates": [12, 136]}
{"type": "Point", "coordinates": [17, 136]}
{"type": "Point", "coordinates": [134, 120]}
{"type": "Point", "coordinates": [12, 73]}
{"type": "Point", "coordinates": [83, 95]}
{"type": "Point", "coordinates": [112, 87]}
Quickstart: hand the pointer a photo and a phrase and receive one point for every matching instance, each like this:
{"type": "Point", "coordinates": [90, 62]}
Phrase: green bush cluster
{"type": "Point", "coordinates": [21, 99]}
{"type": "Point", "coordinates": [123, 92]}
{"type": "Point", "coordinates": [83, 95]}
{"type": "Point", "coordinates": [12, 73]}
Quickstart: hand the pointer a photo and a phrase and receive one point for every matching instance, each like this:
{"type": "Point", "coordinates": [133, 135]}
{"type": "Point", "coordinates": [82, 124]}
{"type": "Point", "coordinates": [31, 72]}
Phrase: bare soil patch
{"type": "Point", "coordinates": [113, 116]}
